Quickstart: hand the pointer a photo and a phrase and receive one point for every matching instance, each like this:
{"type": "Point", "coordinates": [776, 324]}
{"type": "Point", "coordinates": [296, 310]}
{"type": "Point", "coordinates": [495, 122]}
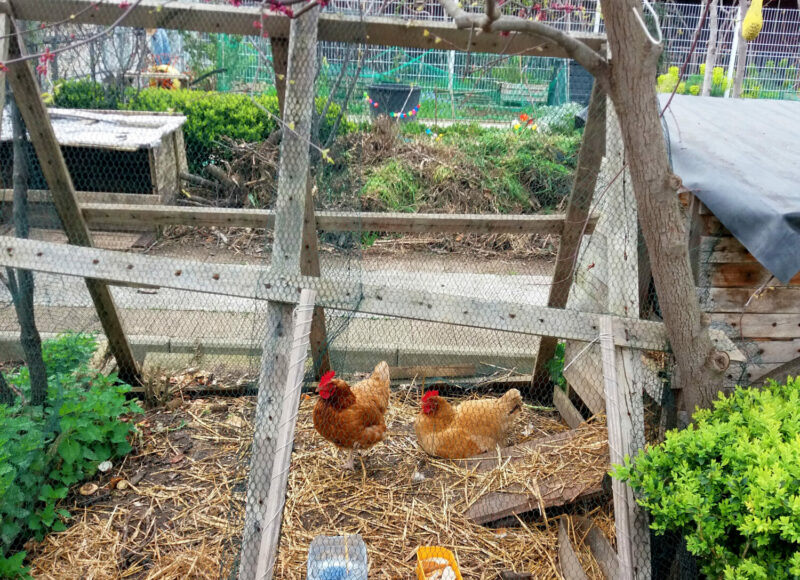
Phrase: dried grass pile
{"type": "Point", "coordinates": [177, 516]}
{"type": "Point", "coordinates": [179, 513]}
{"type": "Point", "coordinates": [404, 499]}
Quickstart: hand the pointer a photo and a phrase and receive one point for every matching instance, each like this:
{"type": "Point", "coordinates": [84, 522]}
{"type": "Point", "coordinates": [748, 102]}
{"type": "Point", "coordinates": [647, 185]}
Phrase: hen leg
{"type": "Point", "coordinates": [349, 465]}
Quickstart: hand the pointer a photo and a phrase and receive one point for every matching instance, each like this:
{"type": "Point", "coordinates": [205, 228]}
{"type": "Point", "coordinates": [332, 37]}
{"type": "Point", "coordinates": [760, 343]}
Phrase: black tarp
{"type": "Point", "coordinates": [741, 158]}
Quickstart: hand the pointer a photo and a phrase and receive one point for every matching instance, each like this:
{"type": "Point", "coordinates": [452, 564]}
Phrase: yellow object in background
{"type": "Point", "coordinates": [165, 83]}
{"type": "Point", "coordinates": [431, 553]}
{"type": "Point", "coordinates": [753, 21]}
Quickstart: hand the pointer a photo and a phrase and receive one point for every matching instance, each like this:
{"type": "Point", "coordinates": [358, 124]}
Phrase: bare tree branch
{"type": "Point", "coordinates": [492, 14]}
{"type": "Point", "coordinates": [577, 50]}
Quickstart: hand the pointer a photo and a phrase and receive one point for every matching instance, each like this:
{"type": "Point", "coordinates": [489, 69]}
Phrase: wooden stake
{"type": "Point", "coordinates": [580, 199]}
{"type": "Point", "coordinates": [302, 317]}
{"type": "Point", "coordinates": [625, 419]}
{"type": "Point", "coordinates": [263, 487]}
{"type": "Point", "coordinates": [54, 168]}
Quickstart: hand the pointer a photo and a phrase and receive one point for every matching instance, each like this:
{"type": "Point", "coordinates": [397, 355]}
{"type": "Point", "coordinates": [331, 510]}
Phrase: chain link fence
{"type": "Point", "coordinates": [470, 288]}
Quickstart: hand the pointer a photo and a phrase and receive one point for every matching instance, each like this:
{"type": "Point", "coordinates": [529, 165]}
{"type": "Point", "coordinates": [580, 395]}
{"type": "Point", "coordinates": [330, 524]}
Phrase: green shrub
{"type": "Point", "coordinates": [86, 94]}
{"type": "Point", "coordinates": [555, 367]}
{"type": "Point", "coordinates": [731, 484]}
{"type": "Point", "coordinates": [43, 454]}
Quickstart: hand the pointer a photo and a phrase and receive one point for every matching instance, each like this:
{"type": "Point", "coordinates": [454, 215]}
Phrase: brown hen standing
{"type": "Point", "coordinates": [352, 417]}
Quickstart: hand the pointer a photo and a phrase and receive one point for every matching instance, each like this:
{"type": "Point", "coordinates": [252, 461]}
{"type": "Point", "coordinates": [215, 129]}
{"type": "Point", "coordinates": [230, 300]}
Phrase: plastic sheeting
{"type": "Point", "coordinates": [741, 158]}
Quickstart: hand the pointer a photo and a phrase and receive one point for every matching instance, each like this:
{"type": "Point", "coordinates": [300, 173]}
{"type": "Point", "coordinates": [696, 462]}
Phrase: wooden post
{"type": "Point", "coordinates": [268, 550]}
{"type": "Point", "coordinates": [589, 159]}
{"type": "Point", "coordinates": [280, 62]}
{"type": "Point", "coordinates": [309, 255]}
{"type": "Point", "coordinates": [54, 168]}
{"type": "Point", "coordinates": [5, 30]}
{"type": "Point", "coordinates": [286, 259]}
{"type": "Point", "coordinates": [625, 420]}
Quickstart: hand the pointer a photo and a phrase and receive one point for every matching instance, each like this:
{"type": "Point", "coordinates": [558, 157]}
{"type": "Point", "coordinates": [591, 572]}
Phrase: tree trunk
{"type": "Point", "coordinates": [711, 54]}
{"type": "Point", "coordinates": [741, 55]}
{"type": "Point", "coordinates": [22, 283]}
{"type": "Point", "coordinates": [6, 394]}
{"type": "Point", "coordinates": [633, 68]}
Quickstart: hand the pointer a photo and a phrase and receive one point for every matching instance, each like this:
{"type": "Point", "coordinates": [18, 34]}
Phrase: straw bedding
{"type": "Point", "coordinates": [182, 512]}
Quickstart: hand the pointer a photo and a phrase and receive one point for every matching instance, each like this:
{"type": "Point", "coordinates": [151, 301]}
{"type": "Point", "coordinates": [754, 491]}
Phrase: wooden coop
{"type": "Point", "coordinates": [743, 202]}
{"type": "Point", "coordinates": [597, 302]}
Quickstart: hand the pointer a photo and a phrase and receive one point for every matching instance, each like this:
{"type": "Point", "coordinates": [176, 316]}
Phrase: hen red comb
{"type": "Point", "coordinates": [429, 394]}
{"type": "Point", "coordinates": [327, 378]}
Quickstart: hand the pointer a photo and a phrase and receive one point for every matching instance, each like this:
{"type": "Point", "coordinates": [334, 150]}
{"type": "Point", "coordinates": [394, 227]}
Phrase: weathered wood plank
{"type": "Point", "coordinates": [603, 553]}
{"type": "Point", "coordinates": [774, 300]}
{"type": "Point", "coordinates": [781, 373]}
{"type": "Point", "coordinates": [762, 325]}
{"type": "Point", "coordinates": [301, 318]}
{"type": "Point", "coordinates": [566, 409]}
{"type": "Point", "coordinates": [333, 27]}
{"type": "Point", "coordinates": [721, 250]}
{"type": "Point", "coordinates": [115, 214]}
{"type": "Point", "coordinates": [86, 197]}
{"type": "Point", "coordinates": [578, 208]}
{"type": "Point", "coordinates": [54, 168]}
{"type": "Point", "coordinates": [583, 372]}
{"type": "Point", "coordinates": [571, 568]}
{"type": "Point", "coordinates": [264, 284]}
{"type": "Point", "coordinates": [625, 419]}
{"type": "Point", "coordinates": [777, 351]}
{"type": "Point", "coordinates": [739, 275]}
{"type": "Point", "coordinates": [554, 490]}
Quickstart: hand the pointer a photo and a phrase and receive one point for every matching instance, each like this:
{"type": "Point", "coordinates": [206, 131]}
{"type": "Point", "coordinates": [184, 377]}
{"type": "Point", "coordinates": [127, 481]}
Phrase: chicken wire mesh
{"type": "Point", "coordinates": [544, 506]}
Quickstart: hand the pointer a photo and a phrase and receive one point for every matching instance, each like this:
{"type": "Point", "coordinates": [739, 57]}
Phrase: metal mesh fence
{"type": "Point", "coordinates": [481, 294]}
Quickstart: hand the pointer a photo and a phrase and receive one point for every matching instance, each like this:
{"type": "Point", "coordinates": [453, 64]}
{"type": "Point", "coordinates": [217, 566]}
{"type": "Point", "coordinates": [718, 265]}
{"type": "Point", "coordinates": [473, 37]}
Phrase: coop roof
{"type": "Point", "coordinates": [118, 130]}
{"type": "Point", "coordinates": [740, 158]}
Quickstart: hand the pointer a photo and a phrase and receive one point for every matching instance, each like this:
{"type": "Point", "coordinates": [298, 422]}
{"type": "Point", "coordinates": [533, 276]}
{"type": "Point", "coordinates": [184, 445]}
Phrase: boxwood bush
{"type": "Point", "coordinates": [730, 483]}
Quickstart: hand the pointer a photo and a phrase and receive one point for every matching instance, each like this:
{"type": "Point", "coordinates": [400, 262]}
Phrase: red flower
{"type": "Point", "coordinates": [505, 33]}
{"type": "Point", "coordinates": [3, 67]}
{"type": "Point", "coordinates": [47, 57]}
{"type": "Point", "coordinates": [524, 117]}
{"type": "Point", "coordinates": [124, 4]}
{"type": "Point", "coordinates": [236, 3]}
{"type": "Point", "coordinates": [257, 24]}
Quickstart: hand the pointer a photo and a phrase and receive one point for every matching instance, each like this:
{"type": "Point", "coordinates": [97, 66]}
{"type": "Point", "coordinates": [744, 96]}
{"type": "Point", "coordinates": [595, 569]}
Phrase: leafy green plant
{"type": "Point", "coordinates": [555, 367]}
{"type": "Point", "coordinates": [730, 483]}
{"type": "Point", "coordinates": [42, 454]}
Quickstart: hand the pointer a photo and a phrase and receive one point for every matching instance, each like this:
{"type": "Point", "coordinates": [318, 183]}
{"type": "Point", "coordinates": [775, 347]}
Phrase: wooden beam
{"type": "Point", "coordinates": [111, 214]}
{"type": "Point", "coordinates": [625, 419]}
{"type": "Point", "coordinates": [262, 526]}
{"type": "Point", "coordinates": [593, 148]}
{"type": "Point", "coordinates": [601, 548]}
{"type": "Point", "coordinates": [258, 283]}
{"type": "Point", "coordinates": [309, 266]}
{"type": "Point", "coordinates": [101, 198]}
{"type": "Point", "coordinates": [333, 27]}
{"type": "Point", "coordinates": [302, 317]}
{"type": "Point", "coordinates": [33, 110]}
